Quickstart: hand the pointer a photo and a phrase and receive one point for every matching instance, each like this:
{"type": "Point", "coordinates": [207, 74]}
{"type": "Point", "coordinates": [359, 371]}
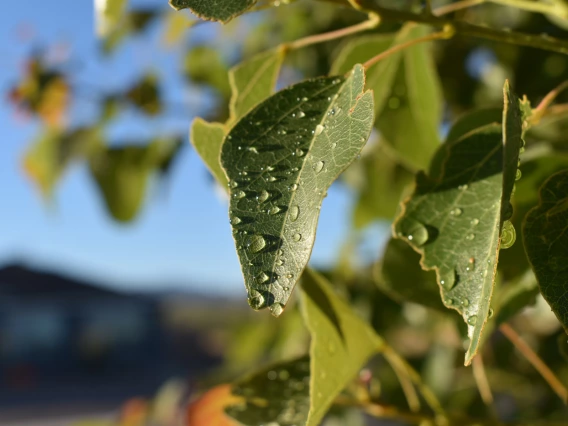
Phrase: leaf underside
{"type": "Point", "coordinates": [280, 160]}
{"type": "Point", "coordinates": [279, 394]}
{"type": "Point", "coordinates": [341, 343]}
{"type": "Point", "coordinates": [214, 10]}
{"type": "Point", "coordinates": [454, 218]}
{"type": "Point", "coordinates": [545, 234]}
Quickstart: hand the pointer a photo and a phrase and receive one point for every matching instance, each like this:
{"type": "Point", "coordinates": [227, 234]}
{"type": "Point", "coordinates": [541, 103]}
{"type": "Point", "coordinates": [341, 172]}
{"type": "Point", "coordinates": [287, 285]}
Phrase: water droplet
{"type": "Point", "coordinates": [279, 262]}
{"type": "Point", "coordinates": [475, 222]}
{"type": "Point", "coordinates": [297, 237]}
{"type": "Point", "coordinates": [277, 309]}
{"type": "Point", "coordinates": [415, 231]}
{"type": "Point", "coordinates": [289, 276]}
{"type": "Point", "coordinates": [286, 288]}
{"type": "Point", "coordinates": [333, 145]}
{"type": "Point", "coordinates": [470, 265]}
{"type": "Point", "coordinates": [465, 302]}
{"type": "Point", "coordinates": [262, 278]}
{"type": "Point", "coordinates": [233, 184]}
{"type": "Point", "coordinates": [470, 237]}
{"type": "Point", "coordinates": [256, 300]}
{"type": "Point", "coordinates": [239, 194]}
{"type": "Point", "coordinates": [318, 167]}
{"type": "Point", "coordinates": [273, 210]}
{"type": "Point", "coordinates": [508, 235]}
{"type": "Point", "coordinates": [448, 280]}
{"type": "Point", "coordinates": [450, 301]}
{"type": "Point", "coordinates": [235, 220]}
{"type": "Point", "coordinates": [301, 114]}
{"type": "Point", "coordinates": [304, 99]}
{"type": "Point", "coordinates": [253, 149]}
{"type": "Point", "coordinates": [256, 243]}
{"type": "Point", "coordinates": [299, 152]}
{"type": "Point", "coordinates": [280, 252]}
{"type": "Point", "coordinates": [490, 314]}
{"type": "Point", "coordinates": [294, 213]}
{"type": "Point", "coordinates": [472, 320]}
{"type": "Point", "coordinates": [518, 175]}
{"type": "Point", "coordinates": [271, 179]}
{"type": "Point", "coordinates": [263, 196]}
{"type": "Point", "coordinates": [456, 212]}
{"type": "Point", "coordinates": [319, 130]}
{"type": "Point", "coordinates": [463, 187]}
{"type": "Point", "coordinates": [293, 187]}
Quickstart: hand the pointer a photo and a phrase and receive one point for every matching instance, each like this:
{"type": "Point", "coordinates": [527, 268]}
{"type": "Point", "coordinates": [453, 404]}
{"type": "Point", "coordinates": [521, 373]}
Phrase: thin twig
{"type": "Point", "coordinates": [371, 23]}
{"type": "Point", "coordinates": [454, 7]}
{"type": "Point", "coordinates": [405, 383]}
{"type": "Point", "coordinates": [535, 360]}
{"type": "Point", "coordinates": [382, 412]}
{"type": "Point", "coordinates": [448, 32]}
{"type": "Point", "coordinates": [538, 112]}
{"type": "Point", "coordinates": [481, 380]}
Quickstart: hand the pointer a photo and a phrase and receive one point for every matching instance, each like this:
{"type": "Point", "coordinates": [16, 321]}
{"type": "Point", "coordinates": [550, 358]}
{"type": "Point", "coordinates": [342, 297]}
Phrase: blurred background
{"type": "Point", "coordinates": [120, 289]}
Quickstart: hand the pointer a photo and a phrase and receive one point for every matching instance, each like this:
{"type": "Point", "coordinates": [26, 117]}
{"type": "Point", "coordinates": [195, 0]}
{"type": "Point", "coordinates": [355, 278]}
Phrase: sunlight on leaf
{"type": "Point", "coordinates": [220, 10]}
{"type": "Point", "coordinates": [341, 343]}
{"type": "Point", "coordinates": [280, 160]}
{"type": "Point", "coordinates": [454, 220]}
{"type": "Point", "coordinates": [109, 14]}
{"type": "Point", "coordinates": [207, 139]}
{"type": "Point", "coordinates": [545, 234]}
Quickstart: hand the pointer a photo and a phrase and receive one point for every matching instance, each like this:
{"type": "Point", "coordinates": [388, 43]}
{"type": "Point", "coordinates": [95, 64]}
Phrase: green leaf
{"type": "Point", "coordinates": [122, 174]}
{"type": "Point", "coordinates": [252, 81]}
{"type": "Point", "coordinates": [399, 275]}
{"type": "Point", "coordinates": [384, 182]}
{"type": "Point", "coordinates": [145, 95]}
{"type": "Point", "coordinates": [280, 160]}
{"type": "Point", "coordinates": [219, 10]}
{"type": "Point", "coordinates": [412, 120]}
{"type": "Point", "coordinates": [207, 139]}
{"type": "Point", "coordinates": [203, 64]}
{"type": "Point", "coordinates": [454, 221]}
{"type": "Point", "coordinates": [109, 14]}
{"type": "Point", "coordinates": [275, 395]}
{"type": "Point", "coordinates": [545, 234]}
{"type": "Point", "coordinates": [341, 343]}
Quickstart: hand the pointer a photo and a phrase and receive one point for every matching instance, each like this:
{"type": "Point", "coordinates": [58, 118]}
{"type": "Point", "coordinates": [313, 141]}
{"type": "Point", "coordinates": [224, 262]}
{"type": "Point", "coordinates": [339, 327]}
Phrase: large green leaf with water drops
{"type": "Point", "coordinates": [341, 343]}
{"type": "Point", "coordinates": [276, 395]}
{"type": "Point", "coordinates": [251, 81]}
{"type": "Point", "coordinates": [545, 234]}
{"type": "Point", "coordinates": [280, 160]}
{"type": "Point", "coordinates": [214, 10]}
{"type": "Point", "coordinates": [457, 219]}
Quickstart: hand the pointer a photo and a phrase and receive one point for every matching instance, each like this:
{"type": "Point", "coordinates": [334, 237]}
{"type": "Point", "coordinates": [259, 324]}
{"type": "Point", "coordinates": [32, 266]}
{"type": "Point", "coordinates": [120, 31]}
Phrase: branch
{"type": "Point", "coordinates": [535, 360]}
{"type": "Point", "coordinates": [463, 28]}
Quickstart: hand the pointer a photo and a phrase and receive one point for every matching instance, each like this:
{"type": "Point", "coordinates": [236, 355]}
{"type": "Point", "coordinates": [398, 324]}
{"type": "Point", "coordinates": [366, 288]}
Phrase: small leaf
{"type": "Point", "coordinates": [207, 139]}
{"type": "Point", "coordinates": [203, 64]}
{"type": "Point", "coordinates": [412, 120]}
{"type": "Point", "coordinates": [275, 395]}
{"type": "Point", "coordinates": [454, 220]}
{"type": "Point", "coordinates": [545, 234]}
{"type": "Point", "coordinates": [341, 343]}
{"type": "Point", "coordinates": [145, 95]}
{"type": "Point", "coordinates": [401, 277]}
{"type": "Point", "coordinates": [122, 174]}
{"type": "Point", "coordinates": [280, 160]}
{"type": "Point", "coordinates": [220, 10]}
{"type": "Point", "coordinates": [252, 81]}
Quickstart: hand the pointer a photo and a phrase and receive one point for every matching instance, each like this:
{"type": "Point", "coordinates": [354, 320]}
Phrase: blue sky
{"type": "Point", "coordinates": [182, 237]}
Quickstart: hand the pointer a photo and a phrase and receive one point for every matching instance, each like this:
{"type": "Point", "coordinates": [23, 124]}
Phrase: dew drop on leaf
{"type": "Point", "coordinates": [293, 187]}
{"type": "Point", "coordinates": [240, 194]}
{"type": "Point", "coordinates": [475, 222]}
{"type": "Point", "coordinates": [463, 187]}
{"type": "Point", "coordinates": [301, 114]}
{"type": "Point", "coordinates": [262, 278]}
{"type": "Point", "coordinates": [274, 210]}
{"type": "Point", "coordinates": [319, 130]}
{"type": "Point", "coordinates": [297, 237]}
{"type": "Point", "coordinates": [294, 213]}
{"type": "Point", "coordinates": [235, 220]}
{"type": "Point", "coordinates": [490, 314]}
{"type": "Point", "coordinates": [472, 320]}
{"type": "Point", "coordinates": [318, 167]}
{"type": "Point", "coordinates": [465, 302]}
{"type": "Point", "coordinates": [256, 243]}
{"type": "Point", "coordinates": [470, 237]}
{"type": "Point", "coordinates": [508, 235]}
{"type": "Point", "coordinates": [233, 184]}
{"type": "Point", "coordinates": [277, 309]}
{"type": "Point", "coordinates": [263, 196]}
{"type": "Point", "coordinates": [470, 264]}
{"type": "Point", "coordinates": [448, 280]}
{"type": "Point", "coordinates": [518, 175]}
{"type": "Point", "coordinates": [256, 300]}
{"type": "Point", "coordinates": [414, 231]}
{"type": "Point", "coordinates": [299, 152]}
{"type": "Point", "coordinates": [456, 212]}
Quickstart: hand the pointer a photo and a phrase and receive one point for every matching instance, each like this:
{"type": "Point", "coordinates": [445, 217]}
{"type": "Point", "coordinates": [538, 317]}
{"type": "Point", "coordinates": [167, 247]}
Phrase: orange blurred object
{"type": "Point", "coordinates": [134, 412]}
{"type": "Point", "coordinates": [209, 409]}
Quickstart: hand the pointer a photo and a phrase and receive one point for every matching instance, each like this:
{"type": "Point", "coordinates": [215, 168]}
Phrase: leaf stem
{"type": "Point", "coordinates": [381, 411]}
{"type": "Point", "coordinates": [463, 28]}
{"type": "Point", "coordinates": [535, 360]}
{"type": "Point", "coordinates": [446, 33]}
{"type": "Point", "coordinates": [405, 383]}
{"type": "Point", "coordinates": [369, 24]}
{"type": "Point", "coordinates": [481, 380]}
{"type": "Point", "coordinates": [540, 110]}
{"type": "Point", "coordinates": [395, 359]}
{"type": "Point", "coordinates": [454, 7]}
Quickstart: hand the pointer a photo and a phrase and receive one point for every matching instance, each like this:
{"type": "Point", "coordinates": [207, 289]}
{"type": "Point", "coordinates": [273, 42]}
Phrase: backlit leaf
{"type": "Point", "coordinates": [280, 160]}
{"type": "Point", "coordinates": [219, 10]}
{"type": "Point", "coordinates": [275, 395]}
{"type": "Point", "coordinates": [109, 14]}
{"type": "Point", "coordinates": [207, 139]}
{"type": "Point", "coordinates": [455, 220]}
{"type": "Point", "coordinates": [253, 80]}
{"type": "Point", "coordinates": [545, 234]}
{"type": "Point", "coordinates": [341, 343]}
